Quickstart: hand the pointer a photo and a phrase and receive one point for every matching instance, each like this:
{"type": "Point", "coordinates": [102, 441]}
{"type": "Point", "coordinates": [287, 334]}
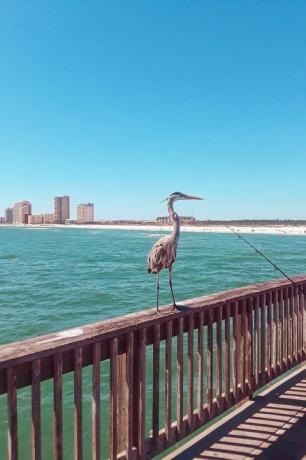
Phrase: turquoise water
{"type": "Point", "coordinates": [53, 279]}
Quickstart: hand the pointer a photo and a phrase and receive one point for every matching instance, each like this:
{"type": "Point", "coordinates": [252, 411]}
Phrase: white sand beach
{"type": "Point", "coordinates": [263, 230]}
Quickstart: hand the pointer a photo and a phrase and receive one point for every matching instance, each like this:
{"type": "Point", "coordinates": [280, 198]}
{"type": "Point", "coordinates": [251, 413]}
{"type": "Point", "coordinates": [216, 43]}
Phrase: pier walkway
{"type": "Point", "coordinates": [135, 386]}
{"type": "Point", "coordinates": [271, 426]}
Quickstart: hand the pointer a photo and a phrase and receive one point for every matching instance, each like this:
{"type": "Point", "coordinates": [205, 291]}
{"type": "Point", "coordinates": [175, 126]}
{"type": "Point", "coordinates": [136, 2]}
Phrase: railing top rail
{"type": "Point", "coordinates": [50, 344]}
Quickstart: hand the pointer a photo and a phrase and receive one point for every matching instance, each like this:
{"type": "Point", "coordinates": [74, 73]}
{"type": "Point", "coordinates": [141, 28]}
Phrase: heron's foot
{"type": "Point", "coordinates": [174, 307]}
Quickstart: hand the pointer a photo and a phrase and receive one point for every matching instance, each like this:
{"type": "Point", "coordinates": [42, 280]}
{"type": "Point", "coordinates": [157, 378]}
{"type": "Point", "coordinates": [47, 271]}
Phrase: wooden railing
{"type": "Point", "coordinates": [167, 374]}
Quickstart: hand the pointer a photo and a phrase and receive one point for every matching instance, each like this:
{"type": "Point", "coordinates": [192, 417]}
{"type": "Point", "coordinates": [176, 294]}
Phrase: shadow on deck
{"type": "Point", "coordinates": [271, 426]}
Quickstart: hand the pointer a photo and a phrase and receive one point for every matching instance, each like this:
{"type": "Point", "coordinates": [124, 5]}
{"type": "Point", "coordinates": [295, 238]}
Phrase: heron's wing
{"type": "Point", "coordinates": [161, 255]}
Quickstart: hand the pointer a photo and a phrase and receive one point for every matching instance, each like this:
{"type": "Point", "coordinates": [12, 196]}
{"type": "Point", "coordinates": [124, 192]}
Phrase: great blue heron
{"type": "Point", "coordinates": [163, 253]}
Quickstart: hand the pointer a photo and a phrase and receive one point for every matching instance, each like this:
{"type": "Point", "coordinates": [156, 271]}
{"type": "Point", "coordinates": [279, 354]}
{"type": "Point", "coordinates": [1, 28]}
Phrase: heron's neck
{"type": "Point", "coordinates": [175, 221]}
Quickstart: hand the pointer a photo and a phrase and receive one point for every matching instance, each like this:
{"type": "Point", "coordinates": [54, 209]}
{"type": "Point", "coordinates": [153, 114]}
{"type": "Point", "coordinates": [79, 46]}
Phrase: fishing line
{"type": "Point", "coordinates": [262, 255]}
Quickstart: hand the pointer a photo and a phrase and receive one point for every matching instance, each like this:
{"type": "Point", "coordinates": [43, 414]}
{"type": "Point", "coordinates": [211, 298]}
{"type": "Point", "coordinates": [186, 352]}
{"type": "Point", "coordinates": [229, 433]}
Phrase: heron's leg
{"type": "Point", "coordinates": [157, 294]}
{"type": "Point", "coordinates": [171, 287]}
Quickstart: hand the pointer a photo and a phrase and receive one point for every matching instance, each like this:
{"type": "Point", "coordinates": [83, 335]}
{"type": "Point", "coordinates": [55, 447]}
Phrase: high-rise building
{"type": "Point", "coordinates": [8, 215]}
{"type": "Point", "coordinates": [61, 209]}
{"type": "Point", "coordinates": [21, 212]}
{"type": "Point", "coordinates": [85, 213]}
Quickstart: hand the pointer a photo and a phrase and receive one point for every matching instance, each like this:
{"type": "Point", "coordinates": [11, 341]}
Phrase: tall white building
{"type": "Point", "coordinates": [85, 213]}
{"type": "Point", "coordinates": [61, 209]}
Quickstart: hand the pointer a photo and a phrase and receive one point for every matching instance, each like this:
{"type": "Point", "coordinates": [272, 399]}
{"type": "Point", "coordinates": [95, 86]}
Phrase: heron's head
{"type": "Point", "coordinates": [176, 196]}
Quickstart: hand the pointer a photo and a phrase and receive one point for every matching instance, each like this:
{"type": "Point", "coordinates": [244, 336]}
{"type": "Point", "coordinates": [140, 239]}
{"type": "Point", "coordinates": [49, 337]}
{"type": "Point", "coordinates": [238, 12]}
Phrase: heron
{"type": "Point", "coordinates": [163, 252]}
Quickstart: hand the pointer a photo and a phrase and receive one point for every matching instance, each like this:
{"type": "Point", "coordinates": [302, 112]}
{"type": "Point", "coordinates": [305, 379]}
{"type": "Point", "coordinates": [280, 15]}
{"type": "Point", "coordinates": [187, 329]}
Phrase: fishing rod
{"type": "Point", "coordinates": [262, 255]}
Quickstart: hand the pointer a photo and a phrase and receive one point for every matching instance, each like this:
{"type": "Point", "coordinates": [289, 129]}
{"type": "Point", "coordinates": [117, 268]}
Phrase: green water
{"type": "Point", "coordinates": [53, 279]}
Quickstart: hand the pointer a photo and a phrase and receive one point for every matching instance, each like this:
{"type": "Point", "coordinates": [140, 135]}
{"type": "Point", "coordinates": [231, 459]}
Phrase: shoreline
{"type": "Point", "coordinates": [299, 230]}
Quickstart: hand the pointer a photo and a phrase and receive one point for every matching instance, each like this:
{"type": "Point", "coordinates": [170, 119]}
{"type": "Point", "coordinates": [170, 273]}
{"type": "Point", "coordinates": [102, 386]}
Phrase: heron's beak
{"type": "Point", "coordinates": [191, 197]}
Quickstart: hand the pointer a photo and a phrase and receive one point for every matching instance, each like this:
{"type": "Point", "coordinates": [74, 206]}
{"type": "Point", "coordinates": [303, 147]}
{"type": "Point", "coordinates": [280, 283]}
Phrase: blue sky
{"type": "Point", "coordinates": [122, 103]}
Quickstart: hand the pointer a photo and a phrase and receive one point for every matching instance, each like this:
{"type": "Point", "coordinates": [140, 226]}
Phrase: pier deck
{"type": "Point", "coordinates": [272, 425]}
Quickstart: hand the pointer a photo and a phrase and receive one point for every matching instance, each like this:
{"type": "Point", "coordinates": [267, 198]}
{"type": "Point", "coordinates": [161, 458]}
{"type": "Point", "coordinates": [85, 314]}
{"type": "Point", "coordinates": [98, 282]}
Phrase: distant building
{"type": "Point", "coordinates": [48, 218]}
{"type": "Point", "coordinates": [35, 219]}
{"type": "Point", "coordinates": [61, 209]}
{"type": "Point", "coordinates": [85, 213]}
{"type": "Point", "coordinates": [184, 220]}
{"type": "Point", "coordinates": [8, 215]}
{"type": "Point", "coordinates": [2, 220]}
{"type": "Point", "coordinates": [21, 212]}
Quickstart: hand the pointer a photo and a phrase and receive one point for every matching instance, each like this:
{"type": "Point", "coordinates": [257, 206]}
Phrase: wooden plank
{"type": "Point", "coordinates": [227, 368]}
{"type": "Point", "coordinates": [12, 414]}
{"type": "Point", "coordinates": [190, 372]}
{"type": "Point", "coordinates": [235, 350]}
{"type": "Point", "coordinates": [140, 416]}
{"type": "Point", "coordinates": [219, 358]}
{"type": "Point", "coordinates": [256, 341]}
{"type": "Point", "coordinates": [113, 392]}
{"type": "Point", "coordinates": [58, 407]}
{"type": "Point", "coordinates": [96, 403]}
{"type": "Point", "coordinates": [200, 382]}
{"type": "Point", "coordinates": [269, 336]}
{"type": "Point", "coordinates": [78, 427]}
{"type": "Point", "coordinates": [210, 364]}
{"type": "Point", "coordinates": [180, 373]}
{"type": "Point", "coordinates": [156, 360]}
{"type": "Point", "coordinates": [129, 378]}
{"type": "Point", "coordinates": [168, 383]}
{"type": "Point", "coordinates": [263, 339]}
{"type": "Point", "coordinates": [36, 418]}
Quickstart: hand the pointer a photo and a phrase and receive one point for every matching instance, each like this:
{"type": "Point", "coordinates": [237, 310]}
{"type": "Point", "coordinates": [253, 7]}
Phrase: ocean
{"type": "Point", "coordinates": [53, 279]}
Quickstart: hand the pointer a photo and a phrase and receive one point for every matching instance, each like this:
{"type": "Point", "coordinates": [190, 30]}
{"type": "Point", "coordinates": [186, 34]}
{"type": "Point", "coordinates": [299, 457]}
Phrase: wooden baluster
{"type": "Point", "coordinates": [190, 372]}
{"type": "Point", "coordinates": [200, 367]}
{"type": "Point", "coordinates": [281, 331]}
{"type": "Point", "coordinates": [269, 336]}
{"type": "Point", "coordinates": [300, 323]}
{"type": "Point", "coordinates": [168, 383]}
{"type": "Point", "coordinates": [294, 326]}
{"type": "Point", "coordinates": [236, 350]}
{"type": "Point", "coordinates": [210, 363]}
{"type": "Point", "coordinates": [245, 355]}
{"type": "Point", "coordinates": [36, 419]}
{"type": "Point", "coordinates": [256, 342]}
{"type": "Point", "coordinates": [180, 373]}
{"type": "Point", "coordinates": [275, 333]}
{"type": "Point", "coordinates": [129, 379]}
{"type": "Point", "coordinates": [291, 324]}
{"type": "Point", "coordinates": [263, 339]}
{"type": "Point", "coordinates": [156, 360]}
{"type": "Point", "coordinates": [96, 389]}
{"type": "Point", "coordinates": [286, 327]}
{"type": "Point", "coordinates": [227, 368]}
{"type": "Point", "coordinates": [250, 374]}
{"type": "Point", "coordinates": [113, 397]}
{"type": "Point", "coordinates": [139, 411]}
{"type": "Point", "coordinates": [12, 414]}
{"type": "Point", "coordinates": [219, 359]}
{"type": "Point", "coordinates": [58, 406]}
{"type": "Point", "coordinates": [304, 321]}
{"type": "Point", "coordinates": [78, 428]}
